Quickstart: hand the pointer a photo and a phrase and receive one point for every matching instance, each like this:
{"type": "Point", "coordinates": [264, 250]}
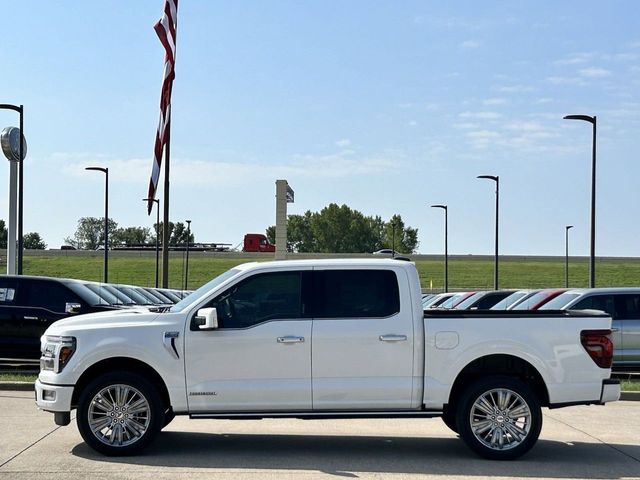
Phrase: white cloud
{"type": "Point", "coordinates": [494, 101]}
{"type": "Point", "coordinates": [515, 88]}
{"type": "Point", "coordinates": [187, 172]}
{"type": "Point", "coordinates": [412, 123]}
{"type": "Point", "coordinates": [344, 142]}
{"type": "Point", "coordinates": [595, 72]}
{"type": "Point", "coordinates": [544, 100]}
{"type": "Point", "coordinates": [556, 80]}
{"type": "Point", "coordinates": [469, 44]}
{"type": "Point", "coordinates": [576, 58]}
{"type": "Point", "coordinates": [466, 125]}
{"type": "Point", "coordinates": [481, 115]}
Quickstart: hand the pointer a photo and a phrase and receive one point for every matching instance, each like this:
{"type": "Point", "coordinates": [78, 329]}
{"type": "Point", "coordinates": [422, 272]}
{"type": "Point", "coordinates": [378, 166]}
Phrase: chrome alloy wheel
{"type": "Point", "coordinates": [500, 419]}
{"type": "Point", "coordinates": [119, 415]}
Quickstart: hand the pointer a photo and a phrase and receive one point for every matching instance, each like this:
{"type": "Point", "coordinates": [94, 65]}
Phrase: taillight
{"type": "Point", "coordinates": [599, 346]}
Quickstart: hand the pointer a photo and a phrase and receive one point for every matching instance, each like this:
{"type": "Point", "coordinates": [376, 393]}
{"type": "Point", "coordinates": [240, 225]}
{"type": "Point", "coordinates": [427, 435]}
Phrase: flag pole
{"type": "Point", "coordinates": [165, 225]}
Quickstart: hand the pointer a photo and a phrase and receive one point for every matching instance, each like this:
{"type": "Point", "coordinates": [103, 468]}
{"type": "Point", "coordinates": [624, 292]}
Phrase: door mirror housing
{"type": "Point", "coordinates": [72, 307]}
{"type": "Point", "coordinates": [207, 319]}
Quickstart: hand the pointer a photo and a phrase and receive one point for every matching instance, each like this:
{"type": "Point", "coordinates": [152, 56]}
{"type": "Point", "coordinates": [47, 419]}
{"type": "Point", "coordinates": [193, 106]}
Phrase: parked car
{"type": "Point", "coordinates": [483, 300]}
{"type": "Point", "coordinates": [321, 339]}
{"type": "Point", "coordinates": [437, 299]}
{"type": "Point", "coordinates": [387, 251]}
{"type": "Point", "coordinates": [623, 305]}
{"type": "Point", "coordinates": [29, 305]}
{"type": "Point", "coordinates": [538, 299]}
{"type": "Point", "coordinates": [455, 299]}
{"type": "Point", "coordinates": [507, 302]}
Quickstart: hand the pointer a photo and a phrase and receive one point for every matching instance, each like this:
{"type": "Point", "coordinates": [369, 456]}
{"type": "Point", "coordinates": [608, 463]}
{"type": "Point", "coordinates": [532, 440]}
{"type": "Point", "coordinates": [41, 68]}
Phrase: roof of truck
{"type": "Point", "coordinates": [335, 262]}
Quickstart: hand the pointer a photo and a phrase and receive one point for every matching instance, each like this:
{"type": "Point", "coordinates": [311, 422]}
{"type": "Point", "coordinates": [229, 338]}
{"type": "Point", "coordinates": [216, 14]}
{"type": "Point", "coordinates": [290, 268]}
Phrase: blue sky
{"type": "Point", "coordinates": [385, 106]}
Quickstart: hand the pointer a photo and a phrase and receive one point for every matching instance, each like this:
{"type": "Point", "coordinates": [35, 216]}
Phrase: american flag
{"type": "Point", "coordinates": [166, 31]}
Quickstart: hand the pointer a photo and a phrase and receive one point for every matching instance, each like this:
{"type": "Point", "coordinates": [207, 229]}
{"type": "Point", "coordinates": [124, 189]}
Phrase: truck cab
{"type": "Point", "coordinates": [257, 242]}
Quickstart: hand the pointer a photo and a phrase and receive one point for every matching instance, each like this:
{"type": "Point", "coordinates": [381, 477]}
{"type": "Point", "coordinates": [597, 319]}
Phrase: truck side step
{"type": "Point", "coordinates": [306, 415]}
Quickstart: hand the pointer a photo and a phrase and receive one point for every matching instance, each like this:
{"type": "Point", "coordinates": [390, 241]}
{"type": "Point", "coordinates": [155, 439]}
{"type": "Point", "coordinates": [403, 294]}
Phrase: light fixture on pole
{"type": "Point", "coordinates": [566, 255]}
{"type": "Point", "coordinates": [106, 218]}
{"type": "Point", "coordinates": [496, 179]}
{"type": "Point", "coordinates": [592, 250]}
{"type": "Point", "coordinates": [186, 272]}
{"type": "Point", "coordinates": [157, 202]}
{"type": "Point", "coordinates": [446, 246]}
{"type": "Point", "coordinates": [18, 150]}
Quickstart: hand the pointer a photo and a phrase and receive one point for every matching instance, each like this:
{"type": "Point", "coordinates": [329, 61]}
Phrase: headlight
{"type": "Point", "coordinates": [56, 352]}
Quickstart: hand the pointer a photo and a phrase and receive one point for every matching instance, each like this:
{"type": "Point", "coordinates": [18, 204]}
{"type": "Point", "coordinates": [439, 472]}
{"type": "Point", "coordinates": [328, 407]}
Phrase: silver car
{"type": "Point", "coordinates": [623, 304]}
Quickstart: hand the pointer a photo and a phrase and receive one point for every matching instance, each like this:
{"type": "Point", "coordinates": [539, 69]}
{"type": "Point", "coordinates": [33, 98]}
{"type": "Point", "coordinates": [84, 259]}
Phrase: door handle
{"type": "Point", "coordinates": [615, 329]}
{"type": "Point", "coordinates": [290, 339]}
{"type": "Point", "coordinates": [29, 317]}
{"type": "Point", "coordinates": [393, 338]}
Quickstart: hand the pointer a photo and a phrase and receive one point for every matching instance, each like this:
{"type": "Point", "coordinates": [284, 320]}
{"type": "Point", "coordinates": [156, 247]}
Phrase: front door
{"type": "Point", "coordinates": [259, 359]}
{"type": "Point", "coordinates": [628, 309]}
{"type": "Point", "coordinates": [362, 340]}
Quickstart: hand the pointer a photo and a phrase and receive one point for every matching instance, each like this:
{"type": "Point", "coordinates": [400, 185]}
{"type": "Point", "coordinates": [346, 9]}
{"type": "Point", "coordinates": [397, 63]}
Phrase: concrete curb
{"type": "Point", "coordinates": [17, 386]}
{"type": "Point", "coordinates": [29, 387]}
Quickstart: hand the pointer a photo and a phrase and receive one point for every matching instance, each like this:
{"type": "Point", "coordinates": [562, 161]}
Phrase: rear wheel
{"type": "Point", "coordinates": [499, 418]}
{"type": "Point", "coordinates": [119, 414]}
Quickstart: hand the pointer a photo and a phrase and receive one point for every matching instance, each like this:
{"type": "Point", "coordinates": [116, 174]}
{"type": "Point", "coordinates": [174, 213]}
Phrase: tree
{"type": "Point", "coordinates": [177, 234]}
{"type": "Point", "coordinates": [90, 233]}
{"type": "Point", "coordinates": [3, 234]}
{"type": "Point", "coordinates": [132, 236]}
{"type": "Point", "coordinates": [340, 229]}
{"type": "Point", "coordinates": [33, 241]}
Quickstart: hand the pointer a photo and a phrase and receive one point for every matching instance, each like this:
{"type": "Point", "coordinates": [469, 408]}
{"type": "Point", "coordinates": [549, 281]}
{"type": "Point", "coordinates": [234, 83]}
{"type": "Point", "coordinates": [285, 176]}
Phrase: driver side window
{"type": "Point", "coordinates": [258, 299]}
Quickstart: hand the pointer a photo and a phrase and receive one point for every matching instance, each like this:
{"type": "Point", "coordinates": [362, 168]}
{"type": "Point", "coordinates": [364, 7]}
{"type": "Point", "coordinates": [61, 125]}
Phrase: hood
{"type": "Point", "coordinates": [111, 319]}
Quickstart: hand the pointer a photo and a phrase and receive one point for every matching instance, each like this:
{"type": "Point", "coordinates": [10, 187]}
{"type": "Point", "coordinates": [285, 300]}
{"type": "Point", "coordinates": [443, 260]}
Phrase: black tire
{"type": "Point", "coordinates": [519, 430]}
{"type": "Point", "coordinates": [449, 418]}
{"type": "Point", "coordinates": [106, 409]}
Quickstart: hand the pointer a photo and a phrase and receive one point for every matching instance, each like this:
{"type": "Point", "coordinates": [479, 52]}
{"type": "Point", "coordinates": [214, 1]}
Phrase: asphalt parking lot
{"type": "Point", "coordinates": [576, 443]}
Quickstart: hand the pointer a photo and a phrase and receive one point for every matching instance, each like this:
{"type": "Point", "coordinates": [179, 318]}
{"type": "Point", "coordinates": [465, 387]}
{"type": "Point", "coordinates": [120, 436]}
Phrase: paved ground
{"type": "Point", "coordinates": [576, 443]}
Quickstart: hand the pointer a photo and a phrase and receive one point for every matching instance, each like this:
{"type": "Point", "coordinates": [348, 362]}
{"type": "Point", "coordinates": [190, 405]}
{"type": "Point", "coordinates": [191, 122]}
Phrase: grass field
{"type": "Point", "coordinates": [472, 272]}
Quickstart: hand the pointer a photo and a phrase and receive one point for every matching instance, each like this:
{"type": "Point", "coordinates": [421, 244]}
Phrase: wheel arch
{"type": "Point", "coordinates": [122, 364]}
{"type": "Point", "coordinates": [499, 364]}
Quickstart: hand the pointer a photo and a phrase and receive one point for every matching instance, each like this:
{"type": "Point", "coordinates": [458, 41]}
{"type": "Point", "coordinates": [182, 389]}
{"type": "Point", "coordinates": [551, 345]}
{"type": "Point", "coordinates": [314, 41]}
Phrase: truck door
{"type": "Point", "coordinates": [628, 308]}
{"type": "Point", "coordinates": [9, 324]}
{"type": "Point", "coordinates": [362, 339]}
{"type": "Point", "coordinates": [259, 357]}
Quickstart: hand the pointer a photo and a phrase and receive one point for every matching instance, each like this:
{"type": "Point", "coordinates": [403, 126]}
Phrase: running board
{"type": "Point", "coordinates": [305, 415]}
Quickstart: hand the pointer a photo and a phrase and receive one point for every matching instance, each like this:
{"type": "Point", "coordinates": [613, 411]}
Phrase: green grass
{"type": "Point", "coordinates": [628, 386]}
{"type": "Point", "coordinates": [17, 377]}
{"type": "Point", "coordinates": [464, 272]}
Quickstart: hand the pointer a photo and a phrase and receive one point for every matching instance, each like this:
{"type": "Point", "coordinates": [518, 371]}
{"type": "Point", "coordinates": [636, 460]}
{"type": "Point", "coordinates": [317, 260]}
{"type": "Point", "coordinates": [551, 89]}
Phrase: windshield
{"type": "Point", "coordinates": [532, 300]}
{"type": "Point", "coordinates": [204, 289]}
{"type": "Point", "coordinates": [467, 302]}
{"type": "Point", "coordinates": [510, 300]}
{"type": "Point", "coordinates": [560, 301]}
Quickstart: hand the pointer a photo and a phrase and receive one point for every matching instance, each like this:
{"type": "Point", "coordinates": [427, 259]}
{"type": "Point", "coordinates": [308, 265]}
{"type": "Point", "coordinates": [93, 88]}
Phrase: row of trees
{"type": "Point", "coordinates": [89, 234]}
{"type": "Point", "coordinates": [31, 240]}
{"type": "Point", "coordinates": [340, 229]}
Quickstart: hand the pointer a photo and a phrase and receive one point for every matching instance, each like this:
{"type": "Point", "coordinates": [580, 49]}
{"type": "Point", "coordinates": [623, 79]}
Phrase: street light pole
{"type": "Point", "coordinates": [186, 268]}
{"type": "Point", "coordinates": [157, 202]}
{"type": "Point", "coordinates": [592, 254]}
{"type": "Point", "coordinates": [446, 246]}
{"type": "Point", "coordinates": [566, 255]}
{"type": "Point", "coordinates": [106, 219]}
{"type": "Point", "coordinates": [496, 179]}
{"type": "Point", "coordinates": [22, 153]}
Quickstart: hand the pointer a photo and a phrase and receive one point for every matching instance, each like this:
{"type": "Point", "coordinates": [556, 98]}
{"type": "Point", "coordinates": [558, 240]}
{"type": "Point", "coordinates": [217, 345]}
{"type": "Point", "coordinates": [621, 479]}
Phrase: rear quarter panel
{"type": "Point", "coordinates": [550, 344]}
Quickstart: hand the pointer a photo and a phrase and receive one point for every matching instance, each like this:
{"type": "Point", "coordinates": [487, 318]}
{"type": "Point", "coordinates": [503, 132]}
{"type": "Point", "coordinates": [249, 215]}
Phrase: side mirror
{"type": "Point", "coordinates": [207, 319]}
{"type": "Point", "coordinates": [72, 308]}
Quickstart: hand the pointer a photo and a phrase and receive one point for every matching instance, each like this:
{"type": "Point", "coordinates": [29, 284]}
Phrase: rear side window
{"type": "Point", "coordinates": [355, 294]}
{"type": "Point", "coordinates": [628, 307]}
{"type": "Point", "coordinates": [603, 303]}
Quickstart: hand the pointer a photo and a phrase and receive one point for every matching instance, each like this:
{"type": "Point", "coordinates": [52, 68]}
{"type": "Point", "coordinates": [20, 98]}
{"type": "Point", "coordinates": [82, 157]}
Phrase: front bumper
{"type": "Point", "coordinates": [610, 390]}
{"type": "Point", "coordinates": [53, 398]}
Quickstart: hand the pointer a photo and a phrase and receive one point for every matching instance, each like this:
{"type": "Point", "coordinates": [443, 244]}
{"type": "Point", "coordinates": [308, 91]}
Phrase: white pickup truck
{"type": "Point", "coordinates": [322, 339]}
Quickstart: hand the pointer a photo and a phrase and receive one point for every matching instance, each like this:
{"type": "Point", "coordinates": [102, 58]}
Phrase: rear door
{"type": "Point", "coordinates": [10, 329]}
{"type": "Point", "coordinates": [628, 310]}
{"type": "Point", "coordinates": [362, 352]}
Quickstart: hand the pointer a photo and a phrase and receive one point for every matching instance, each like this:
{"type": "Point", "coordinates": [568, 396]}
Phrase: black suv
{"type": "Point", "coordinates": [29, 305]}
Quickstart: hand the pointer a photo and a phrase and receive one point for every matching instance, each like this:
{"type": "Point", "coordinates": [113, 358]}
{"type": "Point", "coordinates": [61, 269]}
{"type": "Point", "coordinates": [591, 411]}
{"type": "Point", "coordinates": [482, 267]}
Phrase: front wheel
{"type": "Point", "coordinates": [119, 414]}
{"type": "Point", "coordinates": [499, 418]}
